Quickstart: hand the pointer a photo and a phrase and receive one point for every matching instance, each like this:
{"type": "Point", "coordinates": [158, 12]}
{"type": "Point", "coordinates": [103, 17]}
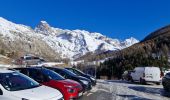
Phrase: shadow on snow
{"type": "Point", "coordinates": [150, 90]}
{"type": "Point", "coordinates": [133, 97]}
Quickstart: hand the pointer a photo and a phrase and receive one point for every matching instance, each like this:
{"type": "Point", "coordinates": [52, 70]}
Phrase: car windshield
{"type": "Point", "coordinates": [69, 72]}
{"type": "Point", "coordinates": [52, 75]}
{"type": "Point", "coordinates": [78, 72]}
{"type": "Point", "coordinates": [16, 81]}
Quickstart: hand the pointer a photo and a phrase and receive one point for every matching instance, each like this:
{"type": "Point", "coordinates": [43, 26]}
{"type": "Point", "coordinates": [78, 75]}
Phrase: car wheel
{"type": "Point", "coordinates": [131, 79]}
{"type": "Point", "coordinates": [128, 79]}
{"type": "Point", "coordinates": [142, 81]}
{"type": "Point", "coordinates": [158, 83]}
{"type": "Point", "coordinates": [165, 87]}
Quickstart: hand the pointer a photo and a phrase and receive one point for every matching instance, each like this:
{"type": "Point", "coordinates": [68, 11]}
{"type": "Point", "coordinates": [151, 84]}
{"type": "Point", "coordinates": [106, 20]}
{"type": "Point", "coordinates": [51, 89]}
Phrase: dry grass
{"type": "Point", "coordinates": [5, 60]}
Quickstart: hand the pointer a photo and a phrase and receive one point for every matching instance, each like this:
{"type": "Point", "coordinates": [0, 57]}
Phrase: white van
{"type": "Point", "coordinates": [16, 86]}
{"type": "Point", "coordinates": [146, 74]}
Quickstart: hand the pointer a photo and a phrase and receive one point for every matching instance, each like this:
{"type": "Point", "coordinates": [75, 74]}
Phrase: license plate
{"type": "Point", "coordinates": [80, 94]}
{"type": "Point", "coordinates": [149, 77]}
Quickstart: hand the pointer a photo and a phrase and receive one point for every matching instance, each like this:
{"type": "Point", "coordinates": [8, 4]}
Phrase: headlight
{"type": "Point", "coordinates": [70, 90]}
{"type": "Point", "coordinates": [84, 82]}
{"type": "Point", "coordinates": [24, 99]}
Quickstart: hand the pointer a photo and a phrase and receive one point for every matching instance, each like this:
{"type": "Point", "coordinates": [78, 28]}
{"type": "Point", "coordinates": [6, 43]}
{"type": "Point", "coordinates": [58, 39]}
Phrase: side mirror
{"type": "Point", "coordinates": [1, 92]}
{"type": "Point", "coordinates": [39, 80]}
{"type": "Point", "coordinates": [65, 77]}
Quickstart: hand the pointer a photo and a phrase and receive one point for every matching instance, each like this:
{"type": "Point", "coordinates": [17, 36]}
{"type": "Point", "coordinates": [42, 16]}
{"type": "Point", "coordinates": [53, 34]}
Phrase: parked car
{"type": "Point", "coordinates": [29, 59]}
{"type": "Point", "coordinates": [69, 88]}
{"type": "Point", "coordinates": [80, 73]}
{"type": "Point", "coordinates": [126, 75]}
{"type": "Point", "coordinates": [86, 83]}
{"type": "Point", "coordinates": [165, 71]}
{"type": "Point", "coordinates": [16, 86]}
{"type": "Point", "coordinates": [166, 82]}
{"type": "Point", "coordinates": [147, 74]}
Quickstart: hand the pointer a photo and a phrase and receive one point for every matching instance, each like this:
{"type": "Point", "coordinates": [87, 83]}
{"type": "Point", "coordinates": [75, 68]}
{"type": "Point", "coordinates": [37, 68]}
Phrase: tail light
{"type": "Point", "coordinates": [143, 74]}
{"type": "Point", "coordinates": [161, 74]}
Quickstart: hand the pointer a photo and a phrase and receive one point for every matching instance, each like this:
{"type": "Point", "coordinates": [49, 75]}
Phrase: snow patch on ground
{"type": "Point", "coordinates": [122, 90]}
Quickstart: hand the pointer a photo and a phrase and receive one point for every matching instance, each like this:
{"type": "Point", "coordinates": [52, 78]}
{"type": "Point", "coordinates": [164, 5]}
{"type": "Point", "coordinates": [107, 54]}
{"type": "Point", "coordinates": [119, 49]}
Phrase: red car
{"type": "Point", "coordinates": [69, 88]}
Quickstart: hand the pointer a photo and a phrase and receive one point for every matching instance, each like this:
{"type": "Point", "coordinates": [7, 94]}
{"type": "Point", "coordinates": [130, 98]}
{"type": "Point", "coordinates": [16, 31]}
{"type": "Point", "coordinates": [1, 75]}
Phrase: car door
{"type": "Point", "coordinates": [135, 74]}
{"type": "Point", "coordinates": [138, 74]}
{"type": "Point", "coordinates": [64, 75]}
{"type": "Point", "coordinates": [6, 95]}
{"type": "Point", "coordinates": [76, 72]}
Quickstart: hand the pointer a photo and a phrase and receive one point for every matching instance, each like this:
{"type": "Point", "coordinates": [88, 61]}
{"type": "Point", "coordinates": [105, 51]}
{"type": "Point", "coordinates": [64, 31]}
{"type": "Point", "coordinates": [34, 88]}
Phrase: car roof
{"type": "Point", "coordinates": [28, 67]}
{"type": "Point", "coordinates": [69, 68]}
{"type": "Point", "coordinates": [6, 71]}
{"type": "Point", "coordinates": [55, 67]}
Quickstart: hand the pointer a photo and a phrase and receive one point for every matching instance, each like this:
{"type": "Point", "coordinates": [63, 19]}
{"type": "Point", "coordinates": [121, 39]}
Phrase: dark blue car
{"type": "Point", "coordinates": [80, 73]}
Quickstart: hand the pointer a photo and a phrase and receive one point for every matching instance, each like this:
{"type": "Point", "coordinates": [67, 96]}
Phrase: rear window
{"type": "Point", "coordinates": [69, 72]}
{"type": "Point", "coordinates": [168, 74]}
{"type": "Point", "coordinates": [28, 58]}
{"type": "Point", "coordinates": [52, 74]}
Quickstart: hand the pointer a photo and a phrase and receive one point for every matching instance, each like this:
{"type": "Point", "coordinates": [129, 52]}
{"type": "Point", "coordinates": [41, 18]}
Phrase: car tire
{"type": "Point", "coordinates": [131, 79]}
{"type": "Point", "coordinates": [158, 83]}
{"type": "Point", "coordinates": [142, 81]}
{"type": "Point", "coordinates": [128, 79]}
{"type": "Point", "coordinates": [165, 87]}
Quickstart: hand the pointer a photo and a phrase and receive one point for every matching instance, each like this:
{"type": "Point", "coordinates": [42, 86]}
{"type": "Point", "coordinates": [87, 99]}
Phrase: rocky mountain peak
{"type": "Point", "coordinates": [43, 24]}
{"type": "Point", "coordinates": [44, 28]}
{"type": "Point", "coordinates": [128, 42]}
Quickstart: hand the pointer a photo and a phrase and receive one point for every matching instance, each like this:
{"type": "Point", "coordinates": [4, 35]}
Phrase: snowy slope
{"type": "Point", "coordinates": [68, 43]}
{"type": "Point", "coordinates": [74, 43]}
{"type": "Point", "coordinates": [8, 28]}
{"type": "Point", "coordinates": [22, 39]}
{"type": "Point", "coordinates": [129, 42]}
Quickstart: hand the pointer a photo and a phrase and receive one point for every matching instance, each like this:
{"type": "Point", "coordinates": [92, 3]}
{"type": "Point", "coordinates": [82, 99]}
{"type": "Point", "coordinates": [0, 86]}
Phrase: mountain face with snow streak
{"type": "Point", "coordinates": [66, 43]}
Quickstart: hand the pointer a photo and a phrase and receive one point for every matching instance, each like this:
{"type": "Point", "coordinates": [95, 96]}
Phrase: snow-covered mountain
{"type": "Point", "coordinates": [67, 43]}
{"type": "Point", "coordinates": [128, 42]}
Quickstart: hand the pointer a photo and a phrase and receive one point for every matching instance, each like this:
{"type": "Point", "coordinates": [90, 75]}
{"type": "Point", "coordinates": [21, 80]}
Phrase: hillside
{"type": "Point", "coordinates": [154, 50]}
{"type": "Point", "coordinates": [163, 31]}
{"type": "Point", "coordinates": [5, 60]}
{"type": "Point", "coordinates": [155, 43]}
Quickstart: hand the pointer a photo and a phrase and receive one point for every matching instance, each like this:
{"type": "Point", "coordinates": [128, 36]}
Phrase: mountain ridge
{"type": "Point", "coordinates": [65, 43]}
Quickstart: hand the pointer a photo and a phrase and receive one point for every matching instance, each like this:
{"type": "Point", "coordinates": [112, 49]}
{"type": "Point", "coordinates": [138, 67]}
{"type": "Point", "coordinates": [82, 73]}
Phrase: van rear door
{"type": "Point", "coordinates": [152, 74]}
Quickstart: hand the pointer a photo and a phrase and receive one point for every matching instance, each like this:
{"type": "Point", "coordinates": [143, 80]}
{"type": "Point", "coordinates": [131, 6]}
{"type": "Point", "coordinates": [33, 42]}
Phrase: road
{"type": "Point", "coordinates": [122, 90]}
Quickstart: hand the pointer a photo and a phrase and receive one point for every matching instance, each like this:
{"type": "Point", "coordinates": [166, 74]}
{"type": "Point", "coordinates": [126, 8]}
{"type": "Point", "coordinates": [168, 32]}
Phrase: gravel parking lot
{"type": "Point", "coordinates": [122, 90]}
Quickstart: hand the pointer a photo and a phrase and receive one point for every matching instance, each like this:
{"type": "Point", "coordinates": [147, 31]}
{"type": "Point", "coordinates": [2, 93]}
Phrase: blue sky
{"type": "Point", "coordinates": [115, 18]}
